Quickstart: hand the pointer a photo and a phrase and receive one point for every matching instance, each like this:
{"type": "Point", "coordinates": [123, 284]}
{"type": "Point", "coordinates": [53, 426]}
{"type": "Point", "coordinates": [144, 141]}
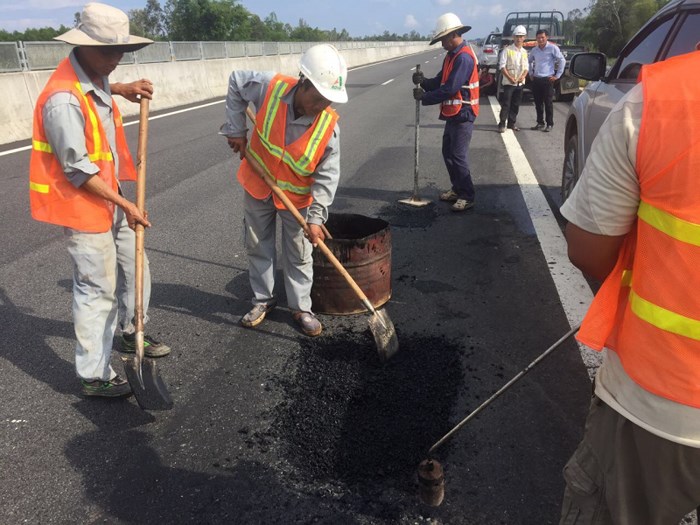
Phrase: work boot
{"type": "Point", "coordinates": [257, 314]}
{"type": "Point", "coordinates": [151, 347]}
{"type": "Point", "coordinates": [449, 196]}
{"type": "Point", "coordinates": [538, 127]}
{"type": "Point", "coordinates": [116, 387]}
{"type": "Point", "coordinates": [308, 323]}
{"type": "Point", "coordinates": [462, 205]}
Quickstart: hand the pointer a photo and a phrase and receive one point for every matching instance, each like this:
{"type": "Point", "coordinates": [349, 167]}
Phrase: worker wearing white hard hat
{"type": "Point", "coordinates": [513, 67]}
{"type": "Point", "coordinates": [456, 90]}
{"type": "Point", "coordinates": [290, 114]}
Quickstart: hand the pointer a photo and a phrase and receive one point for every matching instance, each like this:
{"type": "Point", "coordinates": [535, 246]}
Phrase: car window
{"type": "Point", "coordinates": [688, 37]}
{"type": "Point", "coordinates": [644, 53]}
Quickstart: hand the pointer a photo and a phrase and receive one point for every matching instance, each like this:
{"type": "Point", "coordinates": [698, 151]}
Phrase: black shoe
{"type": "Point", "coordinates": [538, 127]}
{"type": "Point", "coordinates": [151, 347]}
{"type": "Point", "coordinates": [548, 129]}
{"type": "Point", "coordinates": [501, 128]}
{"type": "Point", "coordinates": [116, 387]}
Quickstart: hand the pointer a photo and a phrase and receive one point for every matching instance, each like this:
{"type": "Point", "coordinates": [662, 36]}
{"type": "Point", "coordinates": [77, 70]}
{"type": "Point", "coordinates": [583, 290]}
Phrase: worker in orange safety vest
{"type": "Point", "coordinates": [456, 89]}
{"type": "Point", "coordinates": [295, 140]}
{"type": "Point", "coordinates": [79, 158]}
{"type": "Point", "coordinates": [634, 223]}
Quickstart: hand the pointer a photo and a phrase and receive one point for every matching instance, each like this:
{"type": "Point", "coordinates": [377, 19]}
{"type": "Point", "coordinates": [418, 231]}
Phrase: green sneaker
{"type": "Point", "coordinates": [116, 387]}
{"type": "Point", "coordinates": [151, 347]}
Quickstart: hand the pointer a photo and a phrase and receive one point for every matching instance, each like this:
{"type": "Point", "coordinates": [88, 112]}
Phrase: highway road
{"type": "Point", "coordinates": [268, 425]}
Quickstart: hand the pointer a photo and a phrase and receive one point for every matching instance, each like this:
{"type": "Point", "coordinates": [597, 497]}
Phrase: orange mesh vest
{"type": "Point", "coordinates": [292, 165]}
{"type": "Point", "coordinates": [648, 308]}
{"type": "Point", "coordinates": [52, 197]}
{"type": "Point", "coordinates": [452, 106]}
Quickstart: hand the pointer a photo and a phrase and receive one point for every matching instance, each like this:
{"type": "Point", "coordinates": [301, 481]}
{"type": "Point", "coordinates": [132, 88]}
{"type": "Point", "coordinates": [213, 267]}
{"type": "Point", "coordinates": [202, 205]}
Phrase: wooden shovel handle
{"type": "Point", "coordinates": [141, 205]}
{"type": "Point", "coordinates": [302, 222]}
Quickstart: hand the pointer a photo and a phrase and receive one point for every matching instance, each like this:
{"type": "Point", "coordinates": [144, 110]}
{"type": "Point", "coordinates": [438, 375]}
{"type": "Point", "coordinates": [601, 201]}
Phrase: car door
{"type": "Point", "coordinates": [644, 48]}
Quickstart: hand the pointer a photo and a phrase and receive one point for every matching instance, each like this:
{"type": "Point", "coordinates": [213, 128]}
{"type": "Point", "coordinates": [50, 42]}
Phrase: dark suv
{"type": "Point", "coordinates": [673, 30]}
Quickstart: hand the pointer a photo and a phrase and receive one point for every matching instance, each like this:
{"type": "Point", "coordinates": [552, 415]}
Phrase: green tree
{"type": "Point", "coordinates": [204, 20]}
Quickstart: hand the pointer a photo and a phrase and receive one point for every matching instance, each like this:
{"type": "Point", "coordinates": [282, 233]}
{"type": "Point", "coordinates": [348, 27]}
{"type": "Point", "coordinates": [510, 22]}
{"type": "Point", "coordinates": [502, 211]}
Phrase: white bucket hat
{"type": "Point", "coordinates": [103, 25]}
{"type": "Point", "coordinates": [446, 24]}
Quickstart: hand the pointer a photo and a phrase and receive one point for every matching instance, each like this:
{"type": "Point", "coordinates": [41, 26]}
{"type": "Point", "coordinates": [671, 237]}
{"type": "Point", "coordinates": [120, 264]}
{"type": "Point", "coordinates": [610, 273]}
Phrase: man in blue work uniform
{"type": "Point", "coordinates": [546, 66]}
{"type": "Point", "coordinates": [456, 89]}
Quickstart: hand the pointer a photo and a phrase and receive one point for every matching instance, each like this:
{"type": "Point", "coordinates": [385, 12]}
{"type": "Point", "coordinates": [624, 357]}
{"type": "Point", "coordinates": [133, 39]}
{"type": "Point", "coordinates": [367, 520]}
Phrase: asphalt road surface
{"type": "Point", "coordinates": [269, 425]}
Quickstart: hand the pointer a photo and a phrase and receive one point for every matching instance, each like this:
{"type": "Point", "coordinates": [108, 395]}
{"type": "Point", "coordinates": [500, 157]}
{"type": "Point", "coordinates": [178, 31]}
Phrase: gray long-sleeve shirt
{"type": "Point", "coordinates": [64, 125]}
{"type": "Point", "coordinates": [547, 61]}
{"type": "Point", "coordinates": [250, 87]}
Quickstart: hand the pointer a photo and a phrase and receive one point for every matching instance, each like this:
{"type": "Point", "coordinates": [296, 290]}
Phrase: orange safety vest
{"type": "Point", "coordinates": [648, 308]}
{"type": "Point", "coordinates": [452, 106]}
{"type": "Point", "coordinates": [52, 197]}
{"type": "Point", "coordinates": [292, 165]}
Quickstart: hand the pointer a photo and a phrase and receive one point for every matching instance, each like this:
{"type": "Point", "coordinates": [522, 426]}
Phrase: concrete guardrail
{"type": "Point", "coordinates": [175, 83]}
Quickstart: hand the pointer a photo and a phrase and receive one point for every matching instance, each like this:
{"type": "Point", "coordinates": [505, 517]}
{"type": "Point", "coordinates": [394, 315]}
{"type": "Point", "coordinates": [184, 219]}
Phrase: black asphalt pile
{"type": "Point", "coordinates": [404, 216]}
{"type": "Point", "coordinates": [349, 418]}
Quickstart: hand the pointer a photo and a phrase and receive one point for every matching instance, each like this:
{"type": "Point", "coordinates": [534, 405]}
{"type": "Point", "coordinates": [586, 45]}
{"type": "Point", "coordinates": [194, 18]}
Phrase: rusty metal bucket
{"type": "Point", "coordinates": [363, 246]}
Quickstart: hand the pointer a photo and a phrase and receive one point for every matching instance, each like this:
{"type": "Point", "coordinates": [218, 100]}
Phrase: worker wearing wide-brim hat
{"type": "Point", "coordinates": [456, 89]}
{"type": "Point", "coordinates": [78, 162]}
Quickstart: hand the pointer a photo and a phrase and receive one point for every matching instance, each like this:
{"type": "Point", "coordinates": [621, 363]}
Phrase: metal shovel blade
{"type": "Point", "coordinates": [384, 334]}
{"type": "Point", "coordinates": [148, 386]}
{"type": "Point", "coordinates": [415, 201]}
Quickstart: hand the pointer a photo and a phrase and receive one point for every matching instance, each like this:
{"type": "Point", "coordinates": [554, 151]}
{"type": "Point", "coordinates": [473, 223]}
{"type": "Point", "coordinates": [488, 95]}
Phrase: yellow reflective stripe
{"type": "Point", "coordinates": [282, 184]}
{"type": "Point", "coordinates": [315, 141]}
{"type": "Point", "coordinates": [40, 188]}
{"type": "Point", "coordinates": [104, 155]}
{"type": "Point", "coordinates": [664, 319]}
{"type": "Point", "coordinates": [273, 107]}
{"type": "Point", "coordinates": [301, 190]}
{"type": "Point", "coordinates": [96, 138]}
{"type": "Point", "coordinates": [678, 229]}
{"type": "Point", "coordinates": [42, 146]}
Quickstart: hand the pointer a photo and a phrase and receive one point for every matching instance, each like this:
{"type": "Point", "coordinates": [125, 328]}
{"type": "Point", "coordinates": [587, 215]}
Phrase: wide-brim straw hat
{"type": "Point", "coordinates": [446, 24]}
{"type": "Point", "coordinates": [103, 25]}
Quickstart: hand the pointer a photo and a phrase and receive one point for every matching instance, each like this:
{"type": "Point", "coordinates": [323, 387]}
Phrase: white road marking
{"type": "Point", "coordinates": [574, 292]}
{"type": "Point", "coordinates": [388, 82]}
{"type": "Point", "coordinates": [25, 148]}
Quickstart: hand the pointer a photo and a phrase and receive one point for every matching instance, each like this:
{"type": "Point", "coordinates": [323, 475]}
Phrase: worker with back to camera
{"type": "Point", "coordinates": [513, 65]}
{"type": "Point", "coordinates": [296, 141]}
{"type": "Point", "coordinates": [456, 89]}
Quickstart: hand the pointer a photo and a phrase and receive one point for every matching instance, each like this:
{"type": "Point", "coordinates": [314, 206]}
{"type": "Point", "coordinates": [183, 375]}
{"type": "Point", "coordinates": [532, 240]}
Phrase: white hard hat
{"type": "Point", "coordinates": [519, 31]}
{"type": "Point", "coordinates": [325, 67]}
{"type": "Point", "coordinates": [446, 24]}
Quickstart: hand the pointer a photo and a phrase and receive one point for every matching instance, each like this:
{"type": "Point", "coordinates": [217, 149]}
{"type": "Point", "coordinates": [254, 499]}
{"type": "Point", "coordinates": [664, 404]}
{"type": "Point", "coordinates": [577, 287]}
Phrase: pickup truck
{"type": "Point", "coordinates": [552, 21]}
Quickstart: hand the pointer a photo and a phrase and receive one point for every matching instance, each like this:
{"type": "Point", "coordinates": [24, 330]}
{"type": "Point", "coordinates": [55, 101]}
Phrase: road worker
{"type": "Point", "coordinates": [296, 140]}
{"type": "Point", "coordinates": [635, 224]}
{"type": "Point", "coordinates": [79, 159]}
{"type": "Point", "coordinates": [456, 89]}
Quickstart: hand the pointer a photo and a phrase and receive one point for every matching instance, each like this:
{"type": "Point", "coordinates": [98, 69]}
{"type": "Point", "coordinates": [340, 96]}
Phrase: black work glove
{"type": "Point", "coordinates": [418, 77]}
{"type": "Point", "coordinates": [418, 93]}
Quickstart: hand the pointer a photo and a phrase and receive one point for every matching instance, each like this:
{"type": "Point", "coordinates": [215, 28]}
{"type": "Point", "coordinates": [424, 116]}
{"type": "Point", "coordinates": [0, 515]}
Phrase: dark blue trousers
{"type": "Point", "coordinates": [455, 151]}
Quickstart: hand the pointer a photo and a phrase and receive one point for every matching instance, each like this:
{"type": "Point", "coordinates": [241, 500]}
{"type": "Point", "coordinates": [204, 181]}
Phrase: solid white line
{"type": "Point", "coordinates": [388, 82]}
{"type": "Point", "coordinates": [574, 292]}
{"type": "Point", "coordinates": [25, 148]}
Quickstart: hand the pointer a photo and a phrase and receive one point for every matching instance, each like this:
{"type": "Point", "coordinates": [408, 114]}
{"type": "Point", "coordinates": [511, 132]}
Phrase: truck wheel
{"type": "Point", "coordinates": [566, 98]}
{"type": "Point", "coordinates": [569, 172]}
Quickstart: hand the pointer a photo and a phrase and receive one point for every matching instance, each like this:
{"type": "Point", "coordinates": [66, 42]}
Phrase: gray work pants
{"type": "Point", "coordinates": [260, 218]}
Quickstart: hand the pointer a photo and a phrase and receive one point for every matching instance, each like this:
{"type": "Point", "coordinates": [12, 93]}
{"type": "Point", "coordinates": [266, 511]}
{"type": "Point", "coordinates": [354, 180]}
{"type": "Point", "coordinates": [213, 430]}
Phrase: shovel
{"type": "Point", "coordinates": [379, 323]}
{"type": "Point", "coordinates": [415, 200]}
{"type": "Point", "coordinates": [142, 372]}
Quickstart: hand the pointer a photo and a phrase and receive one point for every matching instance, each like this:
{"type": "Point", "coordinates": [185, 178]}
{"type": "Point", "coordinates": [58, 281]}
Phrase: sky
{"type": "Point", "coordinates": [358, 17]}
